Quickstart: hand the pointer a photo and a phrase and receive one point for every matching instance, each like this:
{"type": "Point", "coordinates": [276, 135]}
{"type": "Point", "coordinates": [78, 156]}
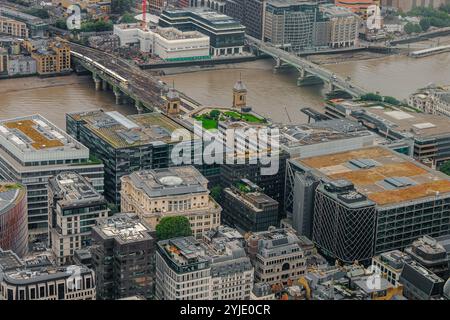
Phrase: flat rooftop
{"type": "Point", "coordinates": [320, 132]}
{"type": "Point", "coordinates": [418, 124]}
{"type": "Point", "coordinates": [184, 251]}
{"type": "Point", "coordinates": [205, 16]}
{"type": "Point", "coordinates": [382, 175]}
{"type": "Point", "coordinates": [175, 34]}
{"type": "Point", "coordinates": [34, 138]}
{"type": "Point", "coordinates": [169, 181]}
{"type": "Point", "coordinates": [122, 131]}
{"type": "Point", "coordinates": [255, 200]}
{"type": "Point", "coordinates": [74, 189]}
{"type": "Point", "coordinates": [9, 260]}
{"type": "Point", "coordinates": [124, 227]}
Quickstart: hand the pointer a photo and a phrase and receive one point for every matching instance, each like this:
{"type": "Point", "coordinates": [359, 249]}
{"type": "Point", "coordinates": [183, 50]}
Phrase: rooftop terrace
{"type": "Point", "coordinates": [124, 228]}
{"type": "Point", "coordinates": [31, 137]}
{"type": "Point", "coordinates": [75, 189]}
{"type": "Point", "coordinates": [382, 175]}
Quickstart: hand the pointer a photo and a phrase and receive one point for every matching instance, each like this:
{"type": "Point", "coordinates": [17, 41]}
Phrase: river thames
{"type": "Point", "coordinates": [275, 96]}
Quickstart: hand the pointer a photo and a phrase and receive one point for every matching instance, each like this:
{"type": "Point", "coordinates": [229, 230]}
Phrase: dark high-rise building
{"type": "Point", "coordinates": [250, 13]}
{"type": "Point", "coordinates": [124, 143]}
{"type": "Point", "coordinates": [123, 257]}
{"type": "Point", "coordinates": [271, 184]}
{"type": "Point", "coordinates": [226, 34]}
{"type": "Point", "coordinates": [344, 222]}
{"type": "Point", "coordinates": [248, 209]}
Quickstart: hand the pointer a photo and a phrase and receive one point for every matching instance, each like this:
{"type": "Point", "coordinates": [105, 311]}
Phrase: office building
{"type": "Point", "coordinates": [382, 201]}
{"type": "Point", "coordinates": [216, 5]}
{"type": "Point", "coordinates": [343, 26]}
{"type": "Point", "coordinates": [428, 134]}
{"type": "Point", "coordinates": [13, 218]}
{"type": "Point", "coordinates": [420, 283]}
{"type": "Point", "coordinates": [74, 207]}
{"type": "Point", "coordinates": [175, 191]}
{"type": "Point", "coordinates": [272, 184]}
{"type": "Point", "coordinates": [215, 268]}
{"type": "Point", "coordinates": [290, 24]}
{"type": "Point", "coordinates": [123, 249]}
{"type": "Point", "coordinates": [247, 208]}
{"type": "Point", "coordinates": [169, 44]}
{"type": "Point", "coordinates": [432, 253]}
{"type": "Point", "coordinates": [390, 265]}
{"type": "Point", "coordinates": [226, 35]}
{"type": "Point", "coordinates": [250, 13]}
{"type": "Point", "coordinates": [38, 279]}
{"type": "Point", "coordinates": [13, 28]}
{"type": "Point", "coordinates": [306, 140]}
{"type": "Point", "coordinates": [276, 256]}
{"type": "Point", "coordinates": [31, 151]}
{"type": "Point", "coordinates": [124, 143]}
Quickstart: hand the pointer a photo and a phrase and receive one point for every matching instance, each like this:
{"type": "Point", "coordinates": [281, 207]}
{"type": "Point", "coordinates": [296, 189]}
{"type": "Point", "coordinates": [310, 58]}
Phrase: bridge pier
{"type": "Point", "coordinates": [118, 95]}
{"type": "Point", "coordinates": [139, 107]}
{"type": "Point", "coordinates": [279, 65]}
{"type": "Point", "coordinates": [329, 86]}
{"type": "Point", "coordinates": [97, 81]}
{"type": "Point", "coordinates": [104, 85]}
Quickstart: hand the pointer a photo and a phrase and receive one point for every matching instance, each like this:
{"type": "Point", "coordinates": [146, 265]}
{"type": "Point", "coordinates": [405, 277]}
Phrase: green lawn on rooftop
{"type": "Point", "coordinates": [207, 122]}
{"type": "Point", "coordinates": [211, 122]}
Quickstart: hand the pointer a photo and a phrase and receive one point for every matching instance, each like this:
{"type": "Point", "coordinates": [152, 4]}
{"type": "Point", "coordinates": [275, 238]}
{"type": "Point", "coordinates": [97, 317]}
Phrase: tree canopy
{"type": "Point", "coordinates": [172, 227]}
{"type": "Point", "coordinates": [121, 6]}
{"type": "Point", "coordinates": [127, 18]}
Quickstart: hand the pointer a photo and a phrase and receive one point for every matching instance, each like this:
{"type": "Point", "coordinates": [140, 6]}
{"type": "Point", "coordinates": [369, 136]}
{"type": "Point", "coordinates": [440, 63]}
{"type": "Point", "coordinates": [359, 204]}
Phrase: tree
{"type": "Point", "coordinates": [214, 114]}
{"type": "Point", "coordinates": [121, 6]}
{"type": "Point", "coordinates": [61, 24]}
{"type": "Point", "coordinates": [425, 23]}
{"type": "Point", "coordinates": [172, 227]}
{"type": "Point", "coordinates": [412, 28]}
{"type": "Point", "coordinates": [391, 100]}
{"type": "Point", "coordinates": [216, 192]}
{"type": "Point", "coordinates": [128, 18]}
{"type": "Point", "coordinates": [99, 25]}
{"type": "Point", "coordinates": [371, 97]}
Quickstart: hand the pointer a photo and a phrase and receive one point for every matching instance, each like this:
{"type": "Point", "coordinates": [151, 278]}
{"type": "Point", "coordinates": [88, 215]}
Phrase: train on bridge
{"type": "Point", "coordinates": [108, 71]}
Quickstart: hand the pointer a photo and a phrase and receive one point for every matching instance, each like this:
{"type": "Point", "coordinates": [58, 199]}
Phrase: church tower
{"type": "Point", "coordinates": [239, 95]}
{"type": "Point", "coordinates": [173, 102]}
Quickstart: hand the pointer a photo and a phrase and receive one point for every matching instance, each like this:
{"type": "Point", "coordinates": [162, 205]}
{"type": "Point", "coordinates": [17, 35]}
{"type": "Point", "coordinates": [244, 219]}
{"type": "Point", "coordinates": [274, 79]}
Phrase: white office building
{"type": "Point", "coordinates": [31, 151]}
{"type": "Point", "coordinates": [167, 43]}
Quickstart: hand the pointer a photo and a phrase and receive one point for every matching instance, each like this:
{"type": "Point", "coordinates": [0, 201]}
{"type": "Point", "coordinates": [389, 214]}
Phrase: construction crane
{"type": "Point", "coordinates": [144, 12]}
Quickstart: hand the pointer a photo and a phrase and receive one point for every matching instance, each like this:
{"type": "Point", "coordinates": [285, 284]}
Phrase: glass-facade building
{"type": "Point", "coordinates": [226, 34]}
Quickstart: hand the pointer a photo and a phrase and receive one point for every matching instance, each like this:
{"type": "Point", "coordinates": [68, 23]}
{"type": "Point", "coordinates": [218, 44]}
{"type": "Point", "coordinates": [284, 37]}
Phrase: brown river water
{"type": "Point", "coordinates": [275, 96]}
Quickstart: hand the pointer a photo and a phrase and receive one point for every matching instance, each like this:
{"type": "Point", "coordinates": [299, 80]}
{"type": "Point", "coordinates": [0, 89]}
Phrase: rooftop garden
{"type": "Point", "coordinates": [244, 188]}
{"type": "Point", "coordinates": [211, 120]}
{"type": "Point", "coordinates": [10, 186]}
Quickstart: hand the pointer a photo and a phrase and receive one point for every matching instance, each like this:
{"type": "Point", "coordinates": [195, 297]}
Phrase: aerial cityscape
{"type": "Point", "coordinates": [244, 150]}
